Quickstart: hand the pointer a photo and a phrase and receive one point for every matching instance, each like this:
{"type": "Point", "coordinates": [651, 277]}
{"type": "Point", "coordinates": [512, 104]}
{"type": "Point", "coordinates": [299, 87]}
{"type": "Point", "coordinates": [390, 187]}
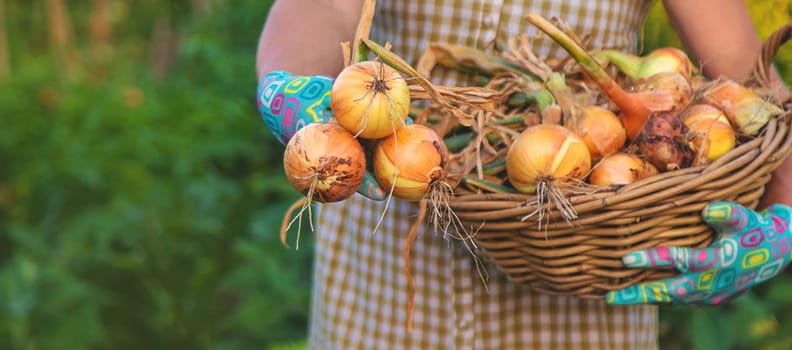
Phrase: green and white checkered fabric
{"type": "Point", "coordinates": [360, 290]}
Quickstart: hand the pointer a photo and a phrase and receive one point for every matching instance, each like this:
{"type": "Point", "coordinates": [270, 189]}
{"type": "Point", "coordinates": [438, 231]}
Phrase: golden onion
{"type": "Point", "coordinates": [546, 153]}
{"type": "Point", "coordinates": [324, 162]}
{"type": "Point", "coordinates": [600, 129]}
{"type": "Point", "coordinates": [620, 169]}
{"type": "Point", "coordinates": [709, 129]}
{"type": "Point", "coordinates": [747, 111]}
{"type": "Point", "coordinates": [410, 162]}
{"type": "Point", "coordinates": [370, 99]}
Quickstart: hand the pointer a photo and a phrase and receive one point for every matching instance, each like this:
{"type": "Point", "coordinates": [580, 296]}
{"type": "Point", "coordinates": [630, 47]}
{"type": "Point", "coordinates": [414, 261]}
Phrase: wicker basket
{"type": "Point", "coordinates": [583, 258]}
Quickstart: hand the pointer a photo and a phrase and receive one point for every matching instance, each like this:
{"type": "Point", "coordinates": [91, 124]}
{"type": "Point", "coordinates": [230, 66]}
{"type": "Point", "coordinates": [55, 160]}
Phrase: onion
{"type": "Point", "coordinates": [620, 169]}
{"type": "Point", "coordinates": [411, 162]}
{"type": "Point", "coordinates": [546, 152]}
{"type": "Point", "coordinates": [370, 99]}
{"type": "Point", "coordinates": [747, 111]}
{"type": "Point", "coordinates": [545, 158]}
{"type": "Point", "coordinates": [666, 154]}
{"type": "Point", "coordinates": [324, 162]}
{"type": "Point", "coordinates": [675, 84]}
{"type": "Point", "coordinates": [600, 129]}
{"type": "Point", "coordinates": [664, 142]}
{"type": "Point", "coordinates": [664, 59]}
{"type": "Point", "coordinates": [664, 125]}
{"type": "Point", "coordinates": [711, 134]}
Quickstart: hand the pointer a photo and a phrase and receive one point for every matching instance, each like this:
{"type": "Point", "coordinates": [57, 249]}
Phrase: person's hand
{"type": "Point", "coordinates": [288, 102]}
{"type": "Point", "coordinates": [751, 248]}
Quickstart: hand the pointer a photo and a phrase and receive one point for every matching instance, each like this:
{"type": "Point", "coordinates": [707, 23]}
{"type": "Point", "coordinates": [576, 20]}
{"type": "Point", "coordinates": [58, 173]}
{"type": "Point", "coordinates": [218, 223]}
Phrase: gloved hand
{"type": "Point", "coordinates": [288, 102]}
{"type": "Point", "coordinates": [751, 248]}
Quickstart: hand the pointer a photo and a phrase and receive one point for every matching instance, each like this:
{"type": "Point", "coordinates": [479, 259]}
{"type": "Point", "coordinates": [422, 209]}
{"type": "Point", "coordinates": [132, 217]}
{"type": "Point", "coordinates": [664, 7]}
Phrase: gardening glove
{"type": "Point", "coordinates": [751, 248]}
{"type": "Point", "coordinates": [288, 102]}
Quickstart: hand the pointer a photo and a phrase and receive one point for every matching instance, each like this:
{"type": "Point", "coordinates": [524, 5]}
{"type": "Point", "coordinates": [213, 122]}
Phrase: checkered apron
{"type": "Point", "coordinates": [360, 290]}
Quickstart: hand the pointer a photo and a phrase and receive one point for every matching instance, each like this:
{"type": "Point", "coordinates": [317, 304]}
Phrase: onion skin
{"type": "Point", "coordinates": [329, 155]}
{"type": "Point", "coordinates": [370, 99]}
{"type": "Point", "coordinates": [546, 152]}
{"type": "Point", "coordinates": [620, 169]}
{"type": "Point", "coordinates": [666, 154]}
{"type": "Point", "coordinates": [663, 142]}
{"type": "Point", "coordinates": [600, 129]}
{"type": "Point", "coordinates": [666, 92]}
{"type": "Point", "coordinates": [711, 134]}
{"type": "Point", "coordinates": [410, 161]}
{"type": "Point", "coordinates": [747, 111]}
{"type": "Point", "coordinates": [634, 107]}
{"type": "Point", "coordinates": [676, 84]}
{"type": "Point", "coordinates": [663, 59]}
{"type": "Point", "coordinates": [667, 59]}
{"type": "Point", "coordinates": [664, 125]}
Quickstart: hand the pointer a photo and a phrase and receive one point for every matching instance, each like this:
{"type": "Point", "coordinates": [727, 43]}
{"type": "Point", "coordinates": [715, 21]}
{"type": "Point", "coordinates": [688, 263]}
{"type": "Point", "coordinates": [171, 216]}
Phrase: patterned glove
{"type": "Point", "coordinates": [751, 248]}
{"type": "Point", "coordinates": [288, 102]}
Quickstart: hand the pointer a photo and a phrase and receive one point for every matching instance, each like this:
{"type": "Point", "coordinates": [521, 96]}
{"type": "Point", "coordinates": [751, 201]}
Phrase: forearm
{"type": "Point", "coordinates": [718, 34]}
{"type": "Point", "coordinates": [721, 38]}
{"type": "Point", "coordinates": [779, 190]}
{"type": "Point", "coordinates": [304, 36]}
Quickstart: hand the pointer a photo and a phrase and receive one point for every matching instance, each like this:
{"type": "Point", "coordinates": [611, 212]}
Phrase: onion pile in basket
{"type": "Point", "coordinates": [637, 116]}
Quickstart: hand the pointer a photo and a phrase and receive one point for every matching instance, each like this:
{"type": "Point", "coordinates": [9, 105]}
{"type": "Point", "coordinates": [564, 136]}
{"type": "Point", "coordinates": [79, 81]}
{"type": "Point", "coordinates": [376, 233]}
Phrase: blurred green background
{"type": "Point", "coordinates": [140, 196]}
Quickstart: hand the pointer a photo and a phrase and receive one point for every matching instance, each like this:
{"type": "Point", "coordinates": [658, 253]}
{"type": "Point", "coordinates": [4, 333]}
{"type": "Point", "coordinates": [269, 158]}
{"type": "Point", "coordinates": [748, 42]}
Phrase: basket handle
{"type": "Point", "coordinates": [764, 63]}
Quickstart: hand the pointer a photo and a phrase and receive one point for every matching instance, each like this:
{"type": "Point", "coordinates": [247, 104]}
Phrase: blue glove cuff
{"type": "Point", "coordinates": [288, 102]}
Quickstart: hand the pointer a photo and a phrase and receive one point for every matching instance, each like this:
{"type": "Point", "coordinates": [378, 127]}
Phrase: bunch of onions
{"type": "Point", "coordinates": [545, 158]}
{"type": "Point", "coordinates": [711, 134]}
{"type": "Point", "coordinates": [663, 59]}
{"type": "Point", "coordinates": [370, 99]}
{"type": "Point", "coordinates": [620, 169]}
{"type": "Point", "coordinates": [600, 129]}
{"type": "Point", "coordinates": [747, 111]}
{"type": "Point", "coordinates": [411, 162]}
{"type": "Point", "coordinates": [325, 162]}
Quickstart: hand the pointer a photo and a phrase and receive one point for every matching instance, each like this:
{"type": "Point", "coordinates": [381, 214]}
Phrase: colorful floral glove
{"type": "Point", "coordinates": [751, 248]}
{"type": "Point", "coordinates": [288, 102]}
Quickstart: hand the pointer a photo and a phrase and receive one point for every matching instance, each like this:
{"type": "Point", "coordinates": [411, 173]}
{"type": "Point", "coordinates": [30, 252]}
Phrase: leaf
{"type": "Point", "coordinates": [708, 334]}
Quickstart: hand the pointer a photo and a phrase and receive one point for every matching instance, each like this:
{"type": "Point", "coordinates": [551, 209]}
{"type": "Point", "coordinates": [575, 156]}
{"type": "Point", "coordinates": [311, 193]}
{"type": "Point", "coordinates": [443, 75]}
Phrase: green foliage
{"type": "Point", "coordinates": [139, 213]}
{"type": "Point", "coordinates": [757, 320]}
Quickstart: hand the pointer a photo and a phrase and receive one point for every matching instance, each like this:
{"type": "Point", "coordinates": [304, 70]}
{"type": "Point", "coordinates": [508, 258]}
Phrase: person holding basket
{"type": "Point", "coordinates": [359, 290]}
